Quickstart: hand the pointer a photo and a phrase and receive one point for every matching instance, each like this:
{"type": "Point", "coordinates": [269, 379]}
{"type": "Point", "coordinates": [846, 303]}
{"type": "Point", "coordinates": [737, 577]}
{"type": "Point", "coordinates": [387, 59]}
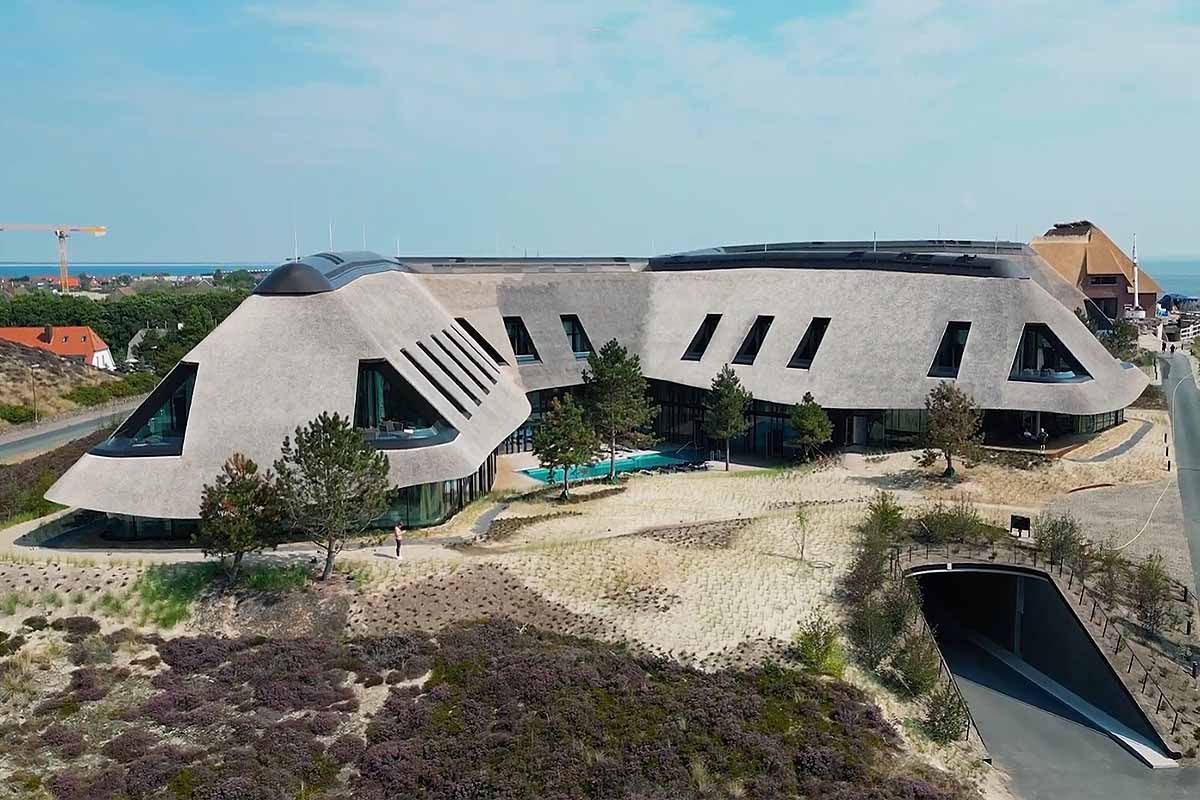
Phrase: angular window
{"type": "Point", "coordinates": [451, 355]}
{"type": "Point", "coordinates": [471, 353]}
{"type": "Point", "coordinates": [158, 425]}
{"type": "Point", "coordinates": [482, 342]}
{"type": "Point", "coordinates": [451, 399]}
{"type": "Point", "coordinates": [1042, 357]}
{"type": "Point", "coordinates": [581, 346]}
{"type": "Point", "coordinates": [392, 414]}
{"type": "Point", "coordinates": [809, 344]}
{"type": "Point", "coordinates": [457, 381]}
{"type": "Point", "coordinates": [753, 341]}
{"type": "Point", "coordinates": [519, 338]}
{"type": "Point", "coordinates": [950, 351]}
{"type": "Point", "coordinates": [704, 334]}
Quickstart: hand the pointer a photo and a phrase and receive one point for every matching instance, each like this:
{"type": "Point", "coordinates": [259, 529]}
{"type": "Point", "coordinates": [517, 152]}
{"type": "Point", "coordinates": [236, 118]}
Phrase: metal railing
{"type": "Point", "coordinates": [1034, 557]}
{"type": "Point", "coordinates": [944, 670]}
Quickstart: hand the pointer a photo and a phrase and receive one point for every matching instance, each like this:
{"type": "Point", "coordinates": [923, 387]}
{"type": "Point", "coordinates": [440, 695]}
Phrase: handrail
{"type": "Point", "coordinates": [962, 701]}
{"type": "Point", "coordinates": [972, 548]}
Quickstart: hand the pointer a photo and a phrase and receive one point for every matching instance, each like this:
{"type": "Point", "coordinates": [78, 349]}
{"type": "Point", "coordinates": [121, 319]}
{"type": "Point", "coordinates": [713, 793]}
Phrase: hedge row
{"type": "Point", "coordinates": [98, 394]}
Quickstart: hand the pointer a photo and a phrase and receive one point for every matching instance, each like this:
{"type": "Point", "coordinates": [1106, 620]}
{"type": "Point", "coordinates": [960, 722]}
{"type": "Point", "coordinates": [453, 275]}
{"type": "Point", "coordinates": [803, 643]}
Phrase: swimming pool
{"type": "Point", "coordinates": [627, 464]}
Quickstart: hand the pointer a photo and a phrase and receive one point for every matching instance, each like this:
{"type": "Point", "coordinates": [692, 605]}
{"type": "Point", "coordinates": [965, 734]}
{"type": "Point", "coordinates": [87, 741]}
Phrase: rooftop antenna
{"type": "Point", "coordinates": [331, 236]}
{"type": "Point", "coordinates": [996, 243]}
{"type": "Point", "coordinates": [295, 244]}
{"type": "Point", "coordinates": [939, 231]}
{"type": "Point", "coordinates": [397, 247]}
{"type": "Point", "coordinates": [364, 236]}
{"type": "Point", "coordinates": [874, 242]}
{"type": "Point", "coordinates": [1137, 300]}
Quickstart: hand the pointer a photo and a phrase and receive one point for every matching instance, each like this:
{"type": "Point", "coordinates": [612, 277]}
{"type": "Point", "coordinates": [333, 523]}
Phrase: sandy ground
{"type": "Point", "coordinates": [704, 567]}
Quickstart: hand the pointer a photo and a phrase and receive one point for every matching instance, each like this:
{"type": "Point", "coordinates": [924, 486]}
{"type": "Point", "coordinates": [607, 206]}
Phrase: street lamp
{"type": "Point", "coordinates": [33, 390]}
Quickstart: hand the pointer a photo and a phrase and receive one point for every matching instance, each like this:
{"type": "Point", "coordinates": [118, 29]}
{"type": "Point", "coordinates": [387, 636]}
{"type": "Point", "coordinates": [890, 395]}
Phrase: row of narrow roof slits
{"type": "Point", "coordinates": [480, 343]}
{"type": "Point", "coordinates": [483, 387]}
{"type": "Point", "coordinates": [449, 373]}
{"type": "Point", "coordinates": [438, 385]}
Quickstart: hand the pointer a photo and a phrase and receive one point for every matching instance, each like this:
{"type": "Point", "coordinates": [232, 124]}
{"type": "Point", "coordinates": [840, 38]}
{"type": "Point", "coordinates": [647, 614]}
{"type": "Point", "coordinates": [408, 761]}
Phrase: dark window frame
{"type": "Point", "coordinates": [702, 338]}
{"type": "Point", "coordinates": [810, 343]}
{"type": "Point", "coordinates": [121, 443]}
{"type": "Point", "coordinates": [578, 336]}
{"type": "Point", "coordinates": [1021, 371]}
{"type": "Point", "coordinates": [755, 338]}
{"type": "Point", "coordinates": [521, 341]}
{"type": "Point", "coordinates": [947, 360]}
{"type": "Point", "coordinates": [439, 431]}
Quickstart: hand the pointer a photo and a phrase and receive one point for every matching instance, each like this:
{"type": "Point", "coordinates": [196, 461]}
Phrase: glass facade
{"type": "Point", "coordinates": [521, 341]}
{"type": "Point", "coordinates": [521, 440]}
{"type": "Point", "coordinates": [950, 351]}
{"type": "Point", "coordinates": [753, 341]}
{"type": "Point", "coordinates": [158, 425]}
{"type": "Point", "coordinates": [1042, 357]}
{"type": "Point", "coordinates": [392, 414]}
{"type": "Point", "coordinates": [704, 334]}
{"type": "Point", "coordinates": [433, 503]}
{"type": "Point", "coordinates": [581, 346]}
{"type": "Point", "coordinates": [806, 351]}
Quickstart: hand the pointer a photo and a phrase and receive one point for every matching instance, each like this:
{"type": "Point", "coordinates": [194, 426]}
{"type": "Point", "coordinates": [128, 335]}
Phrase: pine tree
{"type": "Point", "coordinates": [954, 422]}
{"type": "Point", "coordinates": [565, 440]}
{"type": "Point", "coordinates": [811, 425]}
{"type": "Point", "coordinates": [238, 512]}
{"type": "Point", "coordinates": [725, 408]}
{"type": "Point", "coordinates": [331, 484]}
{"type": "Point", "coordinates": [615, 397]}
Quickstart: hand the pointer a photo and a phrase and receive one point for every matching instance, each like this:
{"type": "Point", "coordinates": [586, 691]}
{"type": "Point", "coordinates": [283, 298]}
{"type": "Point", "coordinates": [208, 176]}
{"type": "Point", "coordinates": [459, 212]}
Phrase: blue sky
{"type": "Point", "coordinates": [206, 131]}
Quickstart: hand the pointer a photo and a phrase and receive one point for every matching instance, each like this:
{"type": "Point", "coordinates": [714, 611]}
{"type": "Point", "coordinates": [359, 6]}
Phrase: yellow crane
{"type": "Point", "coordinates": [62, 232]}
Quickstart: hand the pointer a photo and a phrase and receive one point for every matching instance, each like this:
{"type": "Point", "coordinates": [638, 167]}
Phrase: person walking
{"type": "Point", "coordinates": [398, 533]}
{"type": "Point", "coordinates": [1043, 437]}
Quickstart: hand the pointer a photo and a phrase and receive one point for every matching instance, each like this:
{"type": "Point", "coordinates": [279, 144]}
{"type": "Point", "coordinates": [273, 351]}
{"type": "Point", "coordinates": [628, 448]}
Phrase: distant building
{"type": "Point", "coordinates": [1092, 262]}
{"type": "Point", "coordinates": [77, 342]}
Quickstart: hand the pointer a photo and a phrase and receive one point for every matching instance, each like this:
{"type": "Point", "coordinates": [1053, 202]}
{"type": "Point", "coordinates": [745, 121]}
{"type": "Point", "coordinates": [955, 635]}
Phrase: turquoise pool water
{"type": "Point", "coordinates": [628, 464]}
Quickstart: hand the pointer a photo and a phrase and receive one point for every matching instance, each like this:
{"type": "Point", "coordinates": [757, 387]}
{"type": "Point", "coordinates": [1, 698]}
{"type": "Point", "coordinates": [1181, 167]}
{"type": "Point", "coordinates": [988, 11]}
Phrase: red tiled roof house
{"type": "Point", "coordinates": [77, 342]}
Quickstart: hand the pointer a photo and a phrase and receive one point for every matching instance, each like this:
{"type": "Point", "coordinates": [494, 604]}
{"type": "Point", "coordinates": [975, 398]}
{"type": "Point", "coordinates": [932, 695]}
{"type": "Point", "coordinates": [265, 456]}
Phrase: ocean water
{"type": "Point", "coordinates": [18, 269]}
{"type": "Point", "coordinates": [1176, 275]}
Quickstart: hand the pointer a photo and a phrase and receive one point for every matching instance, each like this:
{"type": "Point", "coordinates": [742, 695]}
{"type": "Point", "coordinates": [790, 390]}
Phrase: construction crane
{"type": "Point", "coordinates": [62, 232]}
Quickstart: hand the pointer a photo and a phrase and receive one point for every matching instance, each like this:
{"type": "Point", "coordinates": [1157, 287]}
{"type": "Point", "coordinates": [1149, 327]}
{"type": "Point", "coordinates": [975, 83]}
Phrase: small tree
{"type": "Point", "coordinates": [238, 512]}
{"type": "Point", "coordinates": [811, 425]}
{"type": "Point", "coordinates": [1111, 569]}
{"type": "Point", "coordinates": [1150, 592]}
{"type": "Point", "coordinates": [945, 715]}
{"type": "Point", "coordinates": [565, 440]}
{"type": "Point", "coordinates": [725, 408]}
{"type": "Point", "coordinates": [331, 484]}
{"type": "Point", "coordinates": [615, 396]}
{"type": "Point", "coordinates": [815, 646]}
{"type": "Point", "coordinates": [954, 421]}
{"type": "Point", "coordinates": [1059, 535]}
{"type": "Point", "coordinates": [916, 665]}
{"type": "Point", "coordinates": [871, 633]}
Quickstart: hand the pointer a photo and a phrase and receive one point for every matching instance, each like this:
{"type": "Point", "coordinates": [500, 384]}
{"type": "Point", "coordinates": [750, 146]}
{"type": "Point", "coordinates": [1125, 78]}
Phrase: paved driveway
{"type": "Point", "coordinates": [1051, 752]}
{"type": "Point", "coordinates": [1184, 405]}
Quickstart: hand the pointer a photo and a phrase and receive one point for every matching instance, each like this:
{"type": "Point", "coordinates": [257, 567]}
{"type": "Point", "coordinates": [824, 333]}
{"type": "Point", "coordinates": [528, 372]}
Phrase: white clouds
{"type": "Point", "coordinates": [587, 124]}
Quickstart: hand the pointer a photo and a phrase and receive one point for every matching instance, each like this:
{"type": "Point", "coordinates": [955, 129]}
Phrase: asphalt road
{"type": "Point", "coordinates": [42, 439]}
{"type": "Point", "coordinates": [1049, 750]}
{"type": "Point", "coordinates": [1184, 403]}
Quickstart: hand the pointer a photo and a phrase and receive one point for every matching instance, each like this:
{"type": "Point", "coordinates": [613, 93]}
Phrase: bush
{"type": "Point", "coordinates": [76, 629]}
{"type": "Point", "coordinates": [901, 603]}
{"type": "Point", "coordinates": [1059, 536]}
{"type": "Point", "coordinates": [945, 715]}
{"type": "Point", "coordinates": [885, 514]}
{"type": "Point", "coordinates": [871, 632]}
{"type": "Point", "coordinates": [917, 665]}
{"type": "Point", "coordinates": [939, 523]}
{"type": "Point", "coordinates": [98, 394]}
{"type": "Point", "coordinates": [17, 415]}
{"type": "Point", "coordinates": [816, 647]}
{"type": "Point", "coordinates": [1111, 570]}
{"type": "Point", "coordinates": [1150, 593]}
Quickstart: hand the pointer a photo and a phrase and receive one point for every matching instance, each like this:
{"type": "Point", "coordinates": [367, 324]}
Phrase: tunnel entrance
{"type": "Point", "coordinates": [1010, 627]}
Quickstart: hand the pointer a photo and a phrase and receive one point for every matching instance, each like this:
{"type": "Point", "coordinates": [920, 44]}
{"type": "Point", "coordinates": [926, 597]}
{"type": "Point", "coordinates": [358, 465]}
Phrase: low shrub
{"type": "Point", "coordinates": [872, 633]}
{"type": "Point", "coordinates": [940, 523]}
{"type": "Point", "coordinates": [1150, 593]}
{"type": "Point", "coordinates": [945, 715]}
{"type": "Point", "coordinates": [916, 665]}
{"type": "Point", "coordinates": [17, 415]}
{"type": "Point", "coordinates": [76, 629]}
{"type": "Point", "coordinates": [98, 394]}
{"type": "Point", "coordinates": [130, 745]}
{"type": "Point", "coordinates": [165, 592]}
{"type": "Point", "coordinates": [1059, 536]}
{"type": "Point", "coordinates": [816, 647]}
